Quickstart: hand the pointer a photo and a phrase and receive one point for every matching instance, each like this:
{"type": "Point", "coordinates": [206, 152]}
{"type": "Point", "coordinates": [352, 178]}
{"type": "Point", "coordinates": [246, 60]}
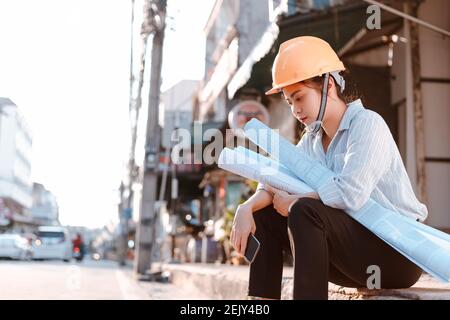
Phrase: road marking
{"type": "Point", "coordinates": [73, 278]}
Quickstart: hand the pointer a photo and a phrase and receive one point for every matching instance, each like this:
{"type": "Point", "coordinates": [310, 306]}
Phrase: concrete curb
{"type": "Point", "coordinates": [225, 282]}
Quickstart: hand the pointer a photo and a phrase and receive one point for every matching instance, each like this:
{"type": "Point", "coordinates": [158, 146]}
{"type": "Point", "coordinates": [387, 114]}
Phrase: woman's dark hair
{"type": "Point", "coordinates": [349, 94]}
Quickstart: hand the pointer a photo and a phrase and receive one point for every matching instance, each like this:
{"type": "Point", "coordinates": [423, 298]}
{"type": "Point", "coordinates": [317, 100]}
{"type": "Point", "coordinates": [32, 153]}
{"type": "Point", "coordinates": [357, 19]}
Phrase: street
{"type": "Point", "coordinates": [87, 280]}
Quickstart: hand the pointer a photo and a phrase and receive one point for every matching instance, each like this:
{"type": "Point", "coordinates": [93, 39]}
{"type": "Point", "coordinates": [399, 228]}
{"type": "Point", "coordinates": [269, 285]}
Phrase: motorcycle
{"type": "Point", "coordinates": [78, 253]}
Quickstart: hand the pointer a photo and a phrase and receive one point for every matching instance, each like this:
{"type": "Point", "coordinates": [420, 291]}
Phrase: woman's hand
{"type": "Point", "coordinates": [282, 201]}
{"type": "Point", "coordinates": [243, 225]}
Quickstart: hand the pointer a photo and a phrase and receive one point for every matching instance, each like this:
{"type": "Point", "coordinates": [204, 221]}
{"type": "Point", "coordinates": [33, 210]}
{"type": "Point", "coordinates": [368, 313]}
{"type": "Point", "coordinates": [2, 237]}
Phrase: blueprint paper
{"type": "Point", "coordinates": [238, 162]}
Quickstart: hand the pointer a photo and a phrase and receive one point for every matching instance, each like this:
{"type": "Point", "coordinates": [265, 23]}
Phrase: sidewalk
{"type": "Point", "coordinates": [230, 282]}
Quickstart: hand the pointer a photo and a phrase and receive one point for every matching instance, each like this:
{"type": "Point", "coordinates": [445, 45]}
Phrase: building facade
{"type": "Point", "coordinates": [15, 166]}
{"type": "Point", "coordinates": [45, 207]}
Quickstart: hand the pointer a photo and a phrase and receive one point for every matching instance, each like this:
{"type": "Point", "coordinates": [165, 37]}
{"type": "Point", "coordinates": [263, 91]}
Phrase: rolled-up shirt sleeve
{"type": "Point", "coordinates": [368, 156]}
{"type": "Point", "coordinates": [260, 186]}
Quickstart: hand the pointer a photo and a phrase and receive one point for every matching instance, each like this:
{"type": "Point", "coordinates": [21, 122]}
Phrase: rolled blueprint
{"type": "Point", "coordinates": [252, 166]}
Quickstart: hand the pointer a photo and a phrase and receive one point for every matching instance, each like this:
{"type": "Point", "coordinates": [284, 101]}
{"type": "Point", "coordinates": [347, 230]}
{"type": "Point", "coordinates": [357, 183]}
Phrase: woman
{"type": "Point", "coordinates": [326, 243]}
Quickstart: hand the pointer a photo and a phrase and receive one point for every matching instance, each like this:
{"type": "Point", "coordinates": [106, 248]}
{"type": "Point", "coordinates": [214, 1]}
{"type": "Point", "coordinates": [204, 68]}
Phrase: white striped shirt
{"type": "Point", "coordinates": [367, 163]}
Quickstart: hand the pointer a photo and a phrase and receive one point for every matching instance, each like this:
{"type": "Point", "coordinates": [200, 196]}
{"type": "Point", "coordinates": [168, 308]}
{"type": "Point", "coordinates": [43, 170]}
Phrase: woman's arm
{"type": "Point", "coordinates": [260, 199]}
{"type": "Point", "coordinates": [283, 201]}
{"type": "Point", "coordinates": [243, 223]}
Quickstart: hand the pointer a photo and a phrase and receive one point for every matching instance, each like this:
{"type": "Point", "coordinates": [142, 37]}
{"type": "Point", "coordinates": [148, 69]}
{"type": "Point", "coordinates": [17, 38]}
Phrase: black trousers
{"type": "Point", "coordinates": [327, 245]}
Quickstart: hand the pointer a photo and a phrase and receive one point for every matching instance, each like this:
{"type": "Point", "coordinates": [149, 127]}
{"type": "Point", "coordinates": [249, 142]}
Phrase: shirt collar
{"type": "Point", "coordinates": [352, 109]}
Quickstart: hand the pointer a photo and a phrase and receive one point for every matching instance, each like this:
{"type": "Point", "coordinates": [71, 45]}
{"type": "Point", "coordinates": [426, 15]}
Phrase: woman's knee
{"type": "Point", "coordinates": [264, 211]}
{"type": "Point", "coordinates": [303, 212]}
{"type": "Point", "coordinates": [305, 202]}
{"type": "Point", "coordinates": [268, 220]}
{"type": "Point", "coordinates": [263, 216]}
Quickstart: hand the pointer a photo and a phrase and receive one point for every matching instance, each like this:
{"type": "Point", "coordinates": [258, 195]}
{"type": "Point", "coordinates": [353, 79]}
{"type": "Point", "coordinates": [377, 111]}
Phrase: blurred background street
{"type": "Point", "coordinates": [90, 279]}
{"type": "Point", "coordinates": [111, 112]}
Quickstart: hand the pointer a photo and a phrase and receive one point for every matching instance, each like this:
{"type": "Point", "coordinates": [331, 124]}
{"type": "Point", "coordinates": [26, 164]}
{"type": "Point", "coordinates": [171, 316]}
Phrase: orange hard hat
{"type": "Point", "coordinates": [303, 58]}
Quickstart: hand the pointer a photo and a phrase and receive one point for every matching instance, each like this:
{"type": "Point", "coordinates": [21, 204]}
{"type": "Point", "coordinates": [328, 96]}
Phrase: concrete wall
{"type": "Point", "coordinates": [435, 63]}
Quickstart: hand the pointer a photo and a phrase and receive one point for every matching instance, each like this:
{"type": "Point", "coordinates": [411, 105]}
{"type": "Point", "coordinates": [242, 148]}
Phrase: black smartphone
{"type": "Point", "coordinates": [252, 248]}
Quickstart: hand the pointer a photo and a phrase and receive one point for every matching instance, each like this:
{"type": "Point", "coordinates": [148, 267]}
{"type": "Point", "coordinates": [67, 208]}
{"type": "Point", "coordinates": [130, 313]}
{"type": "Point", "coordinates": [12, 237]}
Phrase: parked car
{"type": "Point", "coordinates": [53, 243]}
{"type": "Point", "coordinates": [14, 246]}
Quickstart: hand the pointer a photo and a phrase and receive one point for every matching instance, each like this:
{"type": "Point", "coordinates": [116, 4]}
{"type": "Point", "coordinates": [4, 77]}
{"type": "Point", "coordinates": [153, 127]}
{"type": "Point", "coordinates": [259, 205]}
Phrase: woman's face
{"type": "Point", "coordinates": [304, 101]}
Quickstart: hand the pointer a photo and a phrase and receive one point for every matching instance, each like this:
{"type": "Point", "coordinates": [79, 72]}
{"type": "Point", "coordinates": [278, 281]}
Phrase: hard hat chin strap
{"type": "Point", "coordinates": [315, 126]}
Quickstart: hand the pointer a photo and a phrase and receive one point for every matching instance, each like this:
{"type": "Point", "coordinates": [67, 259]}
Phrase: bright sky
{"type": "Point", "coordinates": [65, 64]}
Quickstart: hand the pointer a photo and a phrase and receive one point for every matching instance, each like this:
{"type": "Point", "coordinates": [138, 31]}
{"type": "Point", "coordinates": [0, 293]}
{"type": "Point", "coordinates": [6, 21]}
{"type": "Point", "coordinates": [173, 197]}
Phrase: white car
{"type": "Point", "coordinates": [53, 243]}
{"type": "Point", "coordinates": [14, 246]}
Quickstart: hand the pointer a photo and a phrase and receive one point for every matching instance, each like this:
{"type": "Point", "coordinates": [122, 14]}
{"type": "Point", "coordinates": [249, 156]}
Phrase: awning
{"type": "Point", "coordinates": [263, 47]}
{"type": "Point", "coordinates": [224, 69]}
{"type": "Point", "coordinates": [337, 25]}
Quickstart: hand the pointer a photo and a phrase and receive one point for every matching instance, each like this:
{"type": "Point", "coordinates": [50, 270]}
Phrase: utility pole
{"type": "Point", "coordinates": [126, 188]}
{"type": "Point", "coordinates": [155, 19]}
